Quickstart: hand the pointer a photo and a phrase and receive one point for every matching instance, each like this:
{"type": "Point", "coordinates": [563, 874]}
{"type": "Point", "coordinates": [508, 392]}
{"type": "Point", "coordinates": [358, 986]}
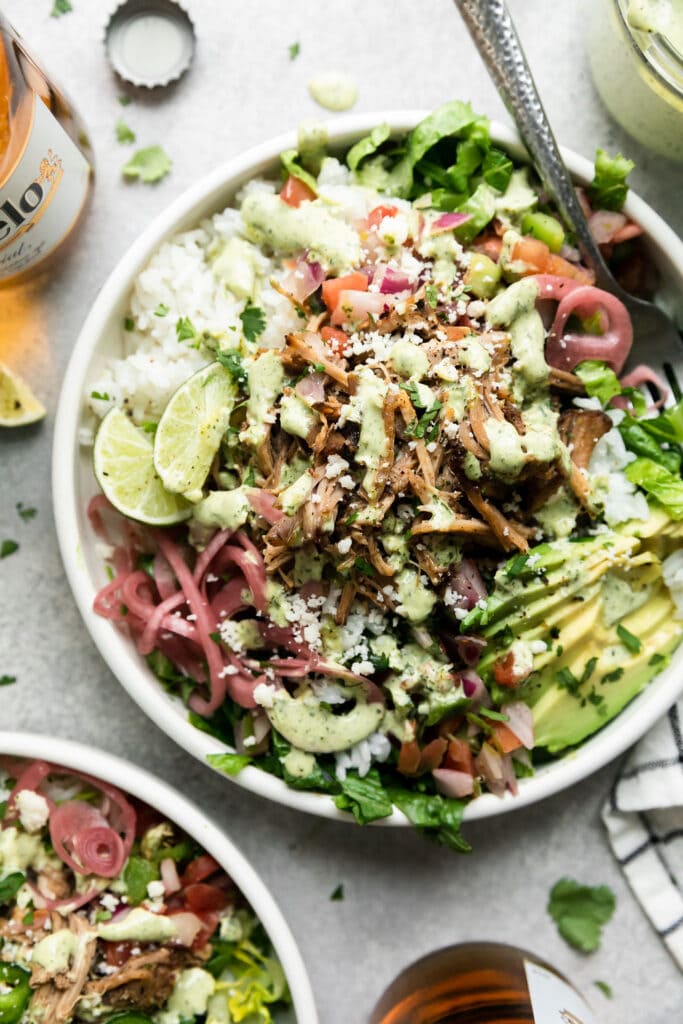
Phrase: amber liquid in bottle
{"type": "Point", "coordinates": [481, 983]}
{"type": "Point", "coordinates": [45, 165]}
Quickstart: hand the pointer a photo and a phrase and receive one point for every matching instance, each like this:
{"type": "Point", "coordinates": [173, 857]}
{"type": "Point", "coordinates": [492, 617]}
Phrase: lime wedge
{"type": "Point", "coordinates": [124, 466]}
{"type": "Point", "coordinates": [191, 428]}
{"type": "Point", "coordinates": [18, 404]}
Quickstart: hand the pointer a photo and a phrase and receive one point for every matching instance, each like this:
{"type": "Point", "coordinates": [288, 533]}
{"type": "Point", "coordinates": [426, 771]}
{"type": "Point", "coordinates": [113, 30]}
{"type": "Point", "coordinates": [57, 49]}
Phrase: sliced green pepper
{"type": "Point", "coordinates": [13, 1002]}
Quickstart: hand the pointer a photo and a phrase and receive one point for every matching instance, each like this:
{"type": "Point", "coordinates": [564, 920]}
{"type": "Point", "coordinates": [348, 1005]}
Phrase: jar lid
{"type": "Point", "coordinates": [150, 43]}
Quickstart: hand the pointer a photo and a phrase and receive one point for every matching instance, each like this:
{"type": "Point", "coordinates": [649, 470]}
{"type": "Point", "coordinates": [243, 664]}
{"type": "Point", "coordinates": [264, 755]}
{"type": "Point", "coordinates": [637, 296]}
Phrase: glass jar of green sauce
{"type": "Point", "coordinates": [636, 55]}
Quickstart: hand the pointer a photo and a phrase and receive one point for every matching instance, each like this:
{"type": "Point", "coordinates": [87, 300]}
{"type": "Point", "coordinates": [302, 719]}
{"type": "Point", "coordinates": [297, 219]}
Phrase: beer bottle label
{"type": "Point", "coordinates": [41, 199]}
{"type": "Point", "coordinates": [554, 1001]}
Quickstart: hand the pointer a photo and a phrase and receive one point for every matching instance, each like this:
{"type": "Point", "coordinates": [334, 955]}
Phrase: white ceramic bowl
{"type": "Point", "coordinates": [74, 483]}
{"type": "Point", "coordinates": [131, 779]}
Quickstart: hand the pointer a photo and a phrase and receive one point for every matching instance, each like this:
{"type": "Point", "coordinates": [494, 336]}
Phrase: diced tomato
{"type": "Point", "coordinates": [199, 869]}
{"type": "Point", "coordinates": [459, 757]}
{"type": "Point", "coordinates": [433, 754]}
{"type": "Point", "coordinates": [409, 758]}
{"type": "Point", "coordinates": [504, 738]}
{"type": "Point", "coordinates": [200, 897]}
{"type": "Point", "coordinates": [376, 216]}
{"type": "Point", "coordinates": [117, 953]}
{"type": "Point", "coordinates": [294, 192]}
{"type": "Point", "coordinates": [334, 286]}
{"type": "Point", "coordinates": [538, 259]}
{"type": "Point", "coordinates": [337, 341]}
{"type": "Point", "coordinates": [506, 672]}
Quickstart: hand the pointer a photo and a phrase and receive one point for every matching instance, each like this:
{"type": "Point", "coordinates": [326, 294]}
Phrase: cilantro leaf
{"type": "Point", "coordinates": [124, 134]}
{"type": "Point", "coordinates": [162, 309]}
{"type": "Point", "coordinates": [432, 295]}
{"type": "Point", "coordinates": [604, 988]}
{"type": "Point", "coordinates": [608, 189]}
{"type": "Point", "coordinates": [185, 329]}
{"type": "Point", "coordinates": [294, 50]}
{"type": "Point", "coordinates": [366, 798]}
{"type": "Point", "coordinates": [7, 680]}
{"type": "Point", "coordinates": [125, 100]}
{"type": "Point", "coordinates": [26, 513]}
{"type": "Point", "coordinates": [7, 548]}
{"type": "Point", "coordinates": [253, 322]}
{"type": "Point", "coordinates": [149, 165]}
{"type": "Point", "coordinates": [579, 912]}
{"type": "Point", "coordinates": [232, 361]}
{"type": "Point", "coordinates": [129, 324]}
{"type": "Point", "coordinates": [60, 7]}
{"type": "Point", "coordinates": [338, 893]}
{"type": "Point", "coordinates": [229, 764]}
{"type": "Point", "coordinates": [630, 641]}
{"type": "Point", "coordinates": [10, 886]}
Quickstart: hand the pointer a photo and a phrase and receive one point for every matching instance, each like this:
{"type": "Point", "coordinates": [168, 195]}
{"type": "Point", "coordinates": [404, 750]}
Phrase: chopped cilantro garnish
{"type": "Point", "coordinates": [60, 7]}
{"type": "Point", "coordinates": [7, 680]}
{"type": "Point", "coordinates": [363, 566]}
{"type": "Point", "coordinates": [427, 426]}
{"type": "Point", "coordinates": [411, 388]}
{"type": "Point", "coordinates": [125, 100]}
{"type": "Point", "coordinates": [232, 361]}
{"type": "Point", "coordinates": [629, 640]}
{"type": "Point", "coordinates": [566, 679]}
{"type": "Point", "coordinates": [184, 329]}
{"type": "Point", "coordinates": [28, 917]}
{"type": "Point", "coordinates": [101, 396]}
{"type": "Point", "coordinates": [129, 324]}
{"type": "Point", "coordinates": [8, 547]}
{"type": "Point", "coordinates": [657, 659]}
{"type": "Point", "coordinates": [149, 165]}
{"type": "Point", "coordinates": [612, 677]}
{"type": "Point", "coordinates": [26, 513]}
{"type": "Point", "coordinates": [162, 310]}
{"type": "Point", "coordinates": [102, 915]}
{"type": "Point", "coordinates": [338, 893]}
{"type": "Point", "coordinates": [432, 295]}
{"type": "Point", "coordinates": [10, 886]}
{"type": "Point", "coordinates": [249, 477]}
{"type": "Point", "coordinates": [294, 50]}
{"type": "Point", "coordinates": [253, 322]}
{"type": "Point", "coordinates": [580, 911]}
{"type": "Point", "coordinates": [216, 637]}
{"type": "Point", "coordinates": [604, 988]}
{"type": "Point", "coordinates": [124, 134]}
{"type": "Point", "coordinates": [351, 519]}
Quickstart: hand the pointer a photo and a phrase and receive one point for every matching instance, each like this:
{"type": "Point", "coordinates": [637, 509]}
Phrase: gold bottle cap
{"type": "Point", "coordinates": [150, 43]}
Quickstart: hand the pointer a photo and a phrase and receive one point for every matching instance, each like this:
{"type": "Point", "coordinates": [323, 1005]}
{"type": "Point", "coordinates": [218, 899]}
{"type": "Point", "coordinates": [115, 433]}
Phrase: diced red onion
{"type": "Point", "coordinates": [520, 722]}
{"type": "Point", "coordinates": [356, 306]}
{"type": "Point", "coordinates": [467, 583]}
{"type": "Point", "coordinates": [169, 876]}
{"type": "Point", "coordinates": [489, 764]}
{"type": "Point", "coordinates": [312, 388]}
{"type": "Point", "coordinates": [188, 927]}
{"type": "Point", "coordinates": [604, 224]}
{"type": "Point", "coordinates": [304, 279]}
{"type": "Point", "coordinates": [452, 783]}
{"type": "Point", "coordinates": [79, 899]}
{"type": "Point", "coordinates": [509, 776]}
{"type": "Point", "coordinates": [448, 222]}
{"type": "Point", "coordinates": [390, 281]}
{"type": "Point", "coordinates": [470, 649]}
{"type": "Point", "coordinates": [474, 689]}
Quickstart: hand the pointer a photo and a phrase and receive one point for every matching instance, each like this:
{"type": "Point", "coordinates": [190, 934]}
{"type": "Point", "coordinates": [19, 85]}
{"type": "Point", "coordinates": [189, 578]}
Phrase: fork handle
{"type": "Point", "coordinates": [493, 32]}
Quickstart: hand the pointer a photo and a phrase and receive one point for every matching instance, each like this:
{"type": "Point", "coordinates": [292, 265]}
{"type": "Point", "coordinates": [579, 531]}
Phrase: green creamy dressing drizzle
{"type": "Point", "coordinates": [265, 375]}
{"type": "Point", "coordinates": [367, 406]}
{"type": "Point", "coordinates": [289, 230]}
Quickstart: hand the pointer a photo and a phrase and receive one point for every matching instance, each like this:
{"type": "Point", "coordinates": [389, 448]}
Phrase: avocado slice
{"type": "Point", "coordinates": [594, 619]}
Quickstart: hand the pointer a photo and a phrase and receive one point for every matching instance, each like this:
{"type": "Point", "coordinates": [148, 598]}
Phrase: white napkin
{"type": "Point", "coordinates": [644, 819]}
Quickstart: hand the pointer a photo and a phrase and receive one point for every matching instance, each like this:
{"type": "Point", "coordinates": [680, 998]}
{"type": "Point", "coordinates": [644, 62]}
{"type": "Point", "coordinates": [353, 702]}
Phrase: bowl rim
{"type": "Point", "coordinates": [147, 787]}
{"type": "Point", "coordinates": [119, 653]}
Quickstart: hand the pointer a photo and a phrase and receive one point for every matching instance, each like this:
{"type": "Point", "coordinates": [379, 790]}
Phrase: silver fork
{"type": "Point", "coordinates": [493, 32]}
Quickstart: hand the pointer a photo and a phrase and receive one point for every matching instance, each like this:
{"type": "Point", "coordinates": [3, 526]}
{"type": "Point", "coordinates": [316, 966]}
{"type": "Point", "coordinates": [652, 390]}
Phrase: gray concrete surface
{"type": "Point", "coordinates": [403, 896]}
